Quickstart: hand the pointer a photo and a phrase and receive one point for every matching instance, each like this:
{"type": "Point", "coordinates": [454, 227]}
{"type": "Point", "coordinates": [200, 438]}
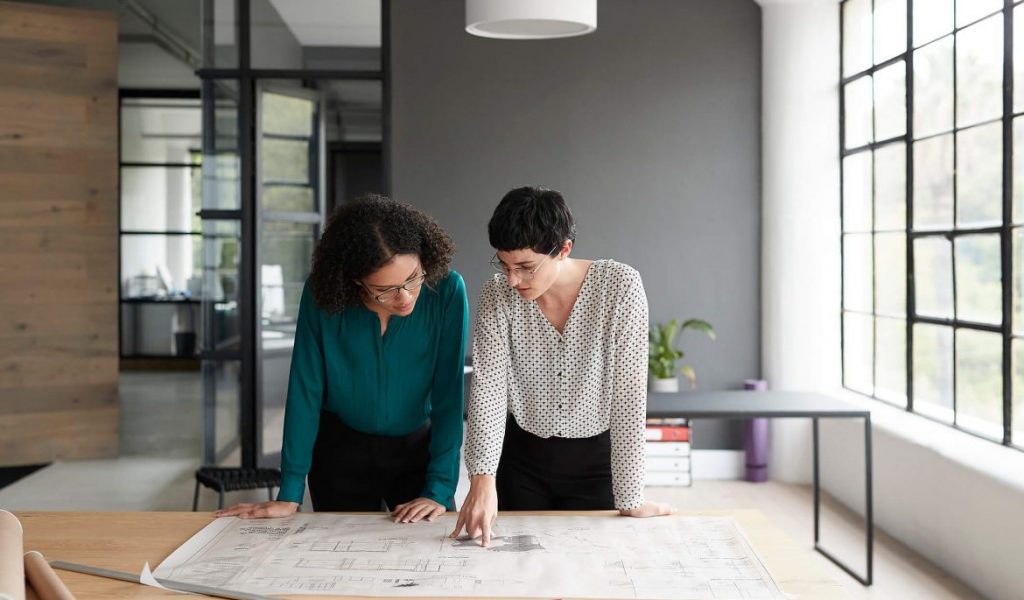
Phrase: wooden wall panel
{"type": "Point", "coordinates": [58, 234]}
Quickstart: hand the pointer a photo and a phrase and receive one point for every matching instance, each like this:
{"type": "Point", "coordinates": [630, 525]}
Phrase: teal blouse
{"type": "Point", "coordinates": [383, 385]}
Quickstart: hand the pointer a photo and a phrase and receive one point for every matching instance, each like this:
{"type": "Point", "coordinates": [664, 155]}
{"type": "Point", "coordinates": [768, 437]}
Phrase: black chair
{"type": "Point", "coordinates": [231, 479]}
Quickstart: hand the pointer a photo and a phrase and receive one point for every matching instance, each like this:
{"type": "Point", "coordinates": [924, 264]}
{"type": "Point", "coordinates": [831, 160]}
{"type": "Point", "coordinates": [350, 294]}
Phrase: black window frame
{"type": "Point", "coordinates": [1005, 230]}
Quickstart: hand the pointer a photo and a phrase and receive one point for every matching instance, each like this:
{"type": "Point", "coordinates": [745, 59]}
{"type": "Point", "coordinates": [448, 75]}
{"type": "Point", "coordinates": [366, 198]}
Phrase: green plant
{"type": "Point", "coordinates": [664, 355]}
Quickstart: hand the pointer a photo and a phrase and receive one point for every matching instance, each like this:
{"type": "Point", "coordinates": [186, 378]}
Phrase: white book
{"type": "Point", "coordinates": [667, 478]}
{"type": "Point", "coordinates": [669, 463]}
{"type": "Point", "coordinates": [668, 448]}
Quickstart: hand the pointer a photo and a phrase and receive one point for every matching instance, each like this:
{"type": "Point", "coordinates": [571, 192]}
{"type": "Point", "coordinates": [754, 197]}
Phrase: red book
{"type": "Point", "coordinates": [667, 433]}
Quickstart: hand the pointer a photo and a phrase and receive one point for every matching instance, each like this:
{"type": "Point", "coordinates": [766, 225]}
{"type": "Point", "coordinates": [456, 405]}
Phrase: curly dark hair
{"type": "Point", "coordinates": [363, 236]}
{"type": "Point", "coordinates": [533, 217]}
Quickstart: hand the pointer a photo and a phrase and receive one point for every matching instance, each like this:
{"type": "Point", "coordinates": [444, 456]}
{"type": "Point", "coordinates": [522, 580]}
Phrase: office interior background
{"type": "Point", "coordinates": [838, 187]}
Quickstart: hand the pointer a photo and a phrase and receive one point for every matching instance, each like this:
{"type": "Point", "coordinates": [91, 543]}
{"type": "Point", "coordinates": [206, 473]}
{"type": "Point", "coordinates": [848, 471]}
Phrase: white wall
{"type": "Point", "coordinates": [953, 498]}
{"type": "Point", "coordinates": [800, 214]}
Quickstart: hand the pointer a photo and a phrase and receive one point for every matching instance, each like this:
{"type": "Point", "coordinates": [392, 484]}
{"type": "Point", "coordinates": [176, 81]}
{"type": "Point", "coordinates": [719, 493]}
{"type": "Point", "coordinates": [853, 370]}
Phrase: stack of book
{"type": "Point", "coordinates": [668, 452]}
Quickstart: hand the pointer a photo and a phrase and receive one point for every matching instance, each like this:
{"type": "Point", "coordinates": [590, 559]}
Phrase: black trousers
{"type": "Point", "coordinates": [356, 471]}
{"type": "Point", "coordinates": [554, 473]}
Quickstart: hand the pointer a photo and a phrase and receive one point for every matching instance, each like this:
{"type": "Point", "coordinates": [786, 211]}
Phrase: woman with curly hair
{"type": "Point", "coordinates": [375, 395]}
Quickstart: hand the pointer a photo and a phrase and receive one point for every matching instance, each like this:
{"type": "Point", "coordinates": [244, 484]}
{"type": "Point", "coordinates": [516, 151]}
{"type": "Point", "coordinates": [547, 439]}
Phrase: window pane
{"type": "Point", "coordinates": [284, 160]}
{"type": "Point", "coordinates": [285, 255]}
{"type": "Point", "coordinates": [978, 280]}
{"type": "Point", "coordinates": [1018, 58]}
{"type": "Point", "coordinates": [933, 277]}
{"type": "Point", "coordinates": [286, 115]}
{"type": "Point", "coordinates": [287, 198]}
{"type": "Point", "coordinates": [891, 187]}
{"type": "Point", "coordinates": [1018, 170]}
{"type": "Point", "coordinates": [968, 11]}
{"type": "Point", "coordinates": [220, 264]}
{"type": "Point", "coordinates": [979, 175]}
{"type": "Point", "coordinates": [857, 272]}
{"type": "Point", "coordinates": [933, 371]}
{"type": "Point", "coordinates": [933, 183]}
{"type": "Point", "coordinates": [1018, 393]}
{"type": "Point", "coordinates": [890, 28]}
{"type": "Point", "coordinates": [933, 88]}
{"type": "Point", "coordinates": [354, 110]}
{"type": "Point", "coordinates": [220, 34]}
{"type": "Point", "coordinates": [856, 36]}
{"type": "Point", "coordinates": [336, 34]}
{"type": "Point", "coordinates": [890, 274]}
{"type": "Point", "coordinates": [979, 71]}
{"type": "Point", "coordinates": [891, 101]}
{"type": "Point", "coordinates": [221, 183]}
{"type": "Point", "coordinates": [160, 130]}
{"type": "Point", "coordinates": [979, 382]}
{"type": "Point", "coordinates": [857, 192]}
{"type": "Point", "coordinates": [156, 266]}
{"type": "Point", "coordinates": [932, 19]}
{"type": "Point", "coordinates": [222, 408]}
{"type": "Point", "coordinates": [891, 360]}
{"type": "Point", "coordinates": [858, 113]}
{"type": "Point", "coordinates": [858, 340]}
{"type": "Point", "coordinates": [158, 198]}
{"type": "Point", "coordinates": [1018, 282]}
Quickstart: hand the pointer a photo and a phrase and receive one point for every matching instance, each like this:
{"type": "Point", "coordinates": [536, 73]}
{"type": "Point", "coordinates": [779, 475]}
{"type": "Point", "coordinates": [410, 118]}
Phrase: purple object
{"type": "Point", "coordinates": [757, 439]}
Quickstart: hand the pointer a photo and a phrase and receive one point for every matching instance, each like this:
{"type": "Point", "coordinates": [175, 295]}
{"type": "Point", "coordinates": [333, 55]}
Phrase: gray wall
{"type": "Point", "coordinates": [650, 127]}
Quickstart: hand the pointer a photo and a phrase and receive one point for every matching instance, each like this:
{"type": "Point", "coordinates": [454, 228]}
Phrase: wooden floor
{"type": "Point", "coordinates": [900, 573]}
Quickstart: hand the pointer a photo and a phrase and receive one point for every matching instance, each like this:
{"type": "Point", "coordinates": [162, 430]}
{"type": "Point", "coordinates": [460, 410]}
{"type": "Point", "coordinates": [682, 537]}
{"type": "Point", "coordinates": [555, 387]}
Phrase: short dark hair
{"type": "Point", "coordinates": [531, 217]}
{"type": "Point", "coordinates": [364, 235]}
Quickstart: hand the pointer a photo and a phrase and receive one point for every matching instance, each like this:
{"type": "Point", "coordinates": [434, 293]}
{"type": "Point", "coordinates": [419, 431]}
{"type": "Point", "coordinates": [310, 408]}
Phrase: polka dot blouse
{"type": "Point", "coordinates": [588, 379]}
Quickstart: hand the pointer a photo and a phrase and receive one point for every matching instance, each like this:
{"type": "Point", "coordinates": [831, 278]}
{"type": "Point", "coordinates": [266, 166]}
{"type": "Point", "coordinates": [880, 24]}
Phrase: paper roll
{"type": "Point", "coordinates": [43, 580]}
{"type": "Point", "coordinates": [12, 565]}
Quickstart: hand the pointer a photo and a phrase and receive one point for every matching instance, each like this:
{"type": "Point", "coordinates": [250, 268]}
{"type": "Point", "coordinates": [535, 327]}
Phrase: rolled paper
{"type": "Point", "coordinates": [12, 565]}
{"type": "Point", "coordinates": [43, 580]}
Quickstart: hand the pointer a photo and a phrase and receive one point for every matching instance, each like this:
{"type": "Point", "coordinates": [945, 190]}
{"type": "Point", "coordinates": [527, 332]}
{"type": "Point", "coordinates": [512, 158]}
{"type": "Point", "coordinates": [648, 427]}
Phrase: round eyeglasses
{"type": "Point", "coordinates": [389, 295]}
{"type": "Point", "coordinates": [521, 273]}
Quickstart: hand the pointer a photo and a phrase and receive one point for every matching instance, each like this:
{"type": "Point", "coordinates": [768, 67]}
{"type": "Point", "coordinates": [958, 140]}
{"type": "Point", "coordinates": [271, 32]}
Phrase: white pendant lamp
{"type": "Point", "coordinates": [530, 19]}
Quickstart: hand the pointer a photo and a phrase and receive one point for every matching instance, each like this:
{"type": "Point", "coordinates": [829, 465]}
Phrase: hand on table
{"type": "Point", "coordinates": [649, 509]}
{"type": "Point", "coordinates": [259, 511]}
{"type": "Point", "coordinates": [480, 509]}
{"type": "Point", "coordinates": [414, 510]}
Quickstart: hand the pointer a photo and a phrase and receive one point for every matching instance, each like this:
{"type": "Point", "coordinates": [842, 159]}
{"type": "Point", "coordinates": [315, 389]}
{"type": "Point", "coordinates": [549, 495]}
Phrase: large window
{"type": "Point", "coordinates": [932, 130]}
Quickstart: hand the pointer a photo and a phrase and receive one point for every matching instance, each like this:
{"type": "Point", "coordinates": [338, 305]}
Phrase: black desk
{"type": "Point", "coordinates": [775, 405]}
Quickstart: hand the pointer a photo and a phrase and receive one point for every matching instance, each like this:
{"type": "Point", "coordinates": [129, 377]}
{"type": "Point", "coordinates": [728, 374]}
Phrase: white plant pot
{"type": "Point", "coordinates": [664, 385]}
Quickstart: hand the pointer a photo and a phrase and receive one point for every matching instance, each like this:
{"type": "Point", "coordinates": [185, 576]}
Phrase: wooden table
{"type": "Point", "coordinates": [124, 541]}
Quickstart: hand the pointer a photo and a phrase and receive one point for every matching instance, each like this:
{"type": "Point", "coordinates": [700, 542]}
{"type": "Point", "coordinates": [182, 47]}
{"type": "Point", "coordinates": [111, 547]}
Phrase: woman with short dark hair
{"type": "Point", "coordinates": [558, 403]}
{"type": "Point", "coordinates": [375, 395]}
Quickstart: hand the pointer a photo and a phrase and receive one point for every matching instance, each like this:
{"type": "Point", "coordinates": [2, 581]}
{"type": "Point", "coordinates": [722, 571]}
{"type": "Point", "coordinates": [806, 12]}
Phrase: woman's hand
{"type": "Point", "coordinates": [414, 510]}
{"type": "Point", "coordinates": [649, 509]}
{"type": "Point", "coordinates": [261, 510]}
{"type": "Point", "coordinates": [480, 509]}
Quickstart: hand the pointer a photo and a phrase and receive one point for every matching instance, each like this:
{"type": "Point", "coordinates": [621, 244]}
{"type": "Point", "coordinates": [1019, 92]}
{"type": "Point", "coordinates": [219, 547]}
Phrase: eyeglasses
{"type": "Point", "coordinates": [521, 273]}
{"type": "Point", "coordinates": [391, 294]}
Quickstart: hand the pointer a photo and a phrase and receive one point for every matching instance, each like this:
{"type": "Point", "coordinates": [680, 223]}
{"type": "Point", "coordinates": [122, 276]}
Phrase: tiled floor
{"type": "Point", "coordinates": [160, 442]}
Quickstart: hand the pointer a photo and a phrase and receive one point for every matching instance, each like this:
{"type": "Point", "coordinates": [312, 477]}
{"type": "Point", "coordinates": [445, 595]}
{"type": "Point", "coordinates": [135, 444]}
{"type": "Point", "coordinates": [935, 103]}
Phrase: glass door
{"type": "Point", "coordinates": [290, 175]}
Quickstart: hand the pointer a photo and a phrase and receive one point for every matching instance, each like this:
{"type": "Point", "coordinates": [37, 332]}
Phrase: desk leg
{"type": "Point", "coordinates": [869, 523]}
{"type": "Point", "coordinates": [817, 482]}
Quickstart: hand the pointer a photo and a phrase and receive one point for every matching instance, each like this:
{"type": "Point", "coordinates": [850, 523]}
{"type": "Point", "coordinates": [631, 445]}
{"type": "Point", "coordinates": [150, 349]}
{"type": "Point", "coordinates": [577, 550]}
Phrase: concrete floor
{"type": "Point", "coordinates": [161, 423]}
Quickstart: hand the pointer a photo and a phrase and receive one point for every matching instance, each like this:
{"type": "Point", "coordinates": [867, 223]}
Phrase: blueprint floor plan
{"type": "Point", "coordinates": [698, 558]}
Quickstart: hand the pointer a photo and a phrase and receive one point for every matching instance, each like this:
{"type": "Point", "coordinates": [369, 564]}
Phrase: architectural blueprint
{"type": "Point", "coordinates": [690, 558]}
